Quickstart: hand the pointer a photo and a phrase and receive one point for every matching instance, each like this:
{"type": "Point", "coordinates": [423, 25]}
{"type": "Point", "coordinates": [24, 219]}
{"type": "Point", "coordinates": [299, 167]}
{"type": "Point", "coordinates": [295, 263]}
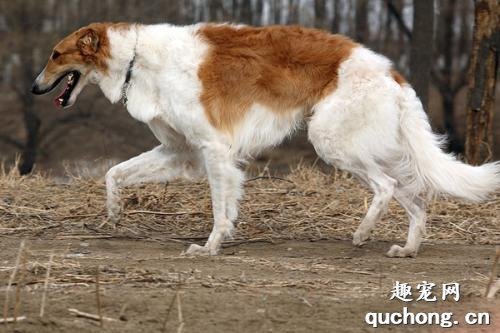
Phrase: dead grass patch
{"type": "Point", "coordinates": [305, 204]}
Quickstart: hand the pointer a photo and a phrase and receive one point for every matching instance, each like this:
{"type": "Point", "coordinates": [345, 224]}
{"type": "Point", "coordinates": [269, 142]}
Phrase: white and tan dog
{"type": "Point", "coordinates": [216, 94]}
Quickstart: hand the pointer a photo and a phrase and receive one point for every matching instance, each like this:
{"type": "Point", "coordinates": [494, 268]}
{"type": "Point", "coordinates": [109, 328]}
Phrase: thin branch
{"type": "Point", "coordinates": [493, 274]}
{"type": "Point", "coordinates": [269, 178]}
{"type": "Point", "coordinates": [19, 286]}
{"type": "Point", "coordinates": [169, 309]}
{"type": "Point", "coordinates": [98, 297]}
{"type": "Point", "coordinates": [11, 319]}
{"type": "Point", "coordinates": [45, 285]}
{"type": "Point", "coordinates": [162, 213]}
{"type": "Point", "coordinates": [179, 313]}
{"type": "Point", "coordinates": [399, 19]}
{"type": "Point", "coordinates": [11, 280]}
{"type": "Point", "coordinates": [82, 314]}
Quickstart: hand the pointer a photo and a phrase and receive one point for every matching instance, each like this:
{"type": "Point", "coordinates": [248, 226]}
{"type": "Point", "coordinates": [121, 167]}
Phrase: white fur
{"type": "Point", "coordinates": [262, 128]}
{"type": "Point", "coordinates": [164, 93]}
{"type": "Point", "coordinates": [370, 126]}
{"type": "Point", "coordinates": [433, 171]}
{"type": "Point", "coordinates": [378, 131]}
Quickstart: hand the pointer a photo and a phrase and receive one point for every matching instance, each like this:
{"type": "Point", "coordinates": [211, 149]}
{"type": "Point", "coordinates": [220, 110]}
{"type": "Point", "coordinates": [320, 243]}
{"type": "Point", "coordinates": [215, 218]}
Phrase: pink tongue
{"type": "Point", "coordinates": [57, 102]}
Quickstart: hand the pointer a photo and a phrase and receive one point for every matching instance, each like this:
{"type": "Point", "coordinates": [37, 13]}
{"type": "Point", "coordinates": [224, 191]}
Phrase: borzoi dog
{"type": "Point", "coordinates": [214, 94]}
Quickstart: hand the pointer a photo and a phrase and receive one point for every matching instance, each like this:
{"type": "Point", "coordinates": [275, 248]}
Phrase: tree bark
{"type": "Point", "coordinates": [30, 151]}
{"type": "Point", "coordinates": [361, 22]}
{"type": "Point", "coordinates": [336, 17]}
{"type": "Point", "coordinates": [422, 48]}
{"type": "Point", "coordinates": [482, 79]}
{"type": "Point", "coordinates": [31, 120]}
{"type": "Point", "coordinates": [444, 78]}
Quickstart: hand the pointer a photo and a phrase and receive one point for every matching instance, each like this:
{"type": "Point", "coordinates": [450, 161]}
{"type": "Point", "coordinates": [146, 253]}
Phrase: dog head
{"type": "Point", "coordinates": [80, 57]}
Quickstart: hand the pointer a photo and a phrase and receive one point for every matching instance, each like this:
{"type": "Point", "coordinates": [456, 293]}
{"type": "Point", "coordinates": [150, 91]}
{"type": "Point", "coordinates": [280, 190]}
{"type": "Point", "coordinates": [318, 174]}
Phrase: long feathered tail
{"type": "Point", "coordinates": [431, 170]}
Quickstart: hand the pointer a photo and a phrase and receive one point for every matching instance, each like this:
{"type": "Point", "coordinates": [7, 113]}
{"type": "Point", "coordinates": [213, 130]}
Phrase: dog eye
{"type": "Point", "coordinates": [55, 55]}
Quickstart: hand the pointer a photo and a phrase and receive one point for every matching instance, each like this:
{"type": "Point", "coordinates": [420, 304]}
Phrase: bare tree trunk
{"type": "Point", "coordinates": [482, 80]}
{"type": "Point", "coordinates": [32, 127]}
{"type": "Point", "coordinates": [254, 5]}
{"type": "Point", "coordinates": [320, 11]}
{"type": "Point", "coordinates": [361, 22]}
{"type": "Point", "coordinates": [266, 18]}
{"type": "Point", "coordinates": [284, 11]}
{"type": "Point", "coordinates": [447, 93]}
{"type": "Point", "coordinates": [448, 83]}
{"type": "Point", "coordinates": [336, 17]}
{"type": "Point", "coordinates": [31, 119]}
{"type": "Point", "coordinates": [246, 12]}
{"type": "Point", "coordinates": [422, 48]}
{"type": "Point", "coordinates": [307, 13]}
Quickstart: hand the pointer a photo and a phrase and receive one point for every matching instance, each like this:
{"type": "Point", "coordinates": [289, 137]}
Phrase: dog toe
{"type": "Point", "coordinates": [196, 250]}
{"type": "Point", "coordinates": [397, 251]}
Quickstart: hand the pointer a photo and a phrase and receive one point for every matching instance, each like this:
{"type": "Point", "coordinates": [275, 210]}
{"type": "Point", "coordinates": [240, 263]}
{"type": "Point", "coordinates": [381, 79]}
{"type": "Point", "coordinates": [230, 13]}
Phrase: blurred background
{"type": "Point", "coordinates": [95, 134]}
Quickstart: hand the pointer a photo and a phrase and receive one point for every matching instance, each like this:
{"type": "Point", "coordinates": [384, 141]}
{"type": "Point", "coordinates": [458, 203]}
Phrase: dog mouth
{"type": "Point", "coordinates": [71, 82]}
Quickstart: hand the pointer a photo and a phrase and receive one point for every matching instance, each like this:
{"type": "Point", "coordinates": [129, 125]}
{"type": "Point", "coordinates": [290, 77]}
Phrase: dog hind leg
{"type": "Point", "coordinates": [358, 133]}
{"type": "Point", "coordinates": [383, 190]}
{"type": "Point", "coordinates": [415, 209]}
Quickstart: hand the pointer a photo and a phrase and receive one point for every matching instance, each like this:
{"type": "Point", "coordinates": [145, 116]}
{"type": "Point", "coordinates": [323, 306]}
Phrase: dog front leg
{"type": "Point", "coordinates": [155, 166]}
{"type": "Point", "coordinates": [225, 181]}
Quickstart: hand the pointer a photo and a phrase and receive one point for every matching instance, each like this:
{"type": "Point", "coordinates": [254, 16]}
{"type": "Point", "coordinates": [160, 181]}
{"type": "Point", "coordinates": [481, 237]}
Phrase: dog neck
{"type": "Point", "coordinates": [128, 75]}
{"type": "Point", "coordinates": [123, 56]}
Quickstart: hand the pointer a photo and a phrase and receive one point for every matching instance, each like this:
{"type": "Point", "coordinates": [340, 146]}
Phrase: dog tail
{"type": "Point", "coordinates": [429, 169]}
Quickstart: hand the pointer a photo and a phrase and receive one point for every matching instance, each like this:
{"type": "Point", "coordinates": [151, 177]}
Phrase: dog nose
{"type": "Point", "coordinates": [35, 89]}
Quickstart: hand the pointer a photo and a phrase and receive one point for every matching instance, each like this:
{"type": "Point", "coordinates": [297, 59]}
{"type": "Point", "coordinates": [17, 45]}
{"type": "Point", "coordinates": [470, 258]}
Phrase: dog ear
{"type": "Point", "coordinates": [88, 42]}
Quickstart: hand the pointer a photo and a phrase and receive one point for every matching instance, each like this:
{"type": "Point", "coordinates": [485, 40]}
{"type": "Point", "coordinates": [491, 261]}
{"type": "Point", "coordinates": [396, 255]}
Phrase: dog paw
{"type": "Point", "coordinates": [360, 238]}
{"type": "Point", "coordinates": [397, 251]}
{"type": "Point", "coordinates": [197, 250]}
{"type": "Point", "coordinates": [114, 214]}
{"type": "Point", "coordinates": [114, 219]}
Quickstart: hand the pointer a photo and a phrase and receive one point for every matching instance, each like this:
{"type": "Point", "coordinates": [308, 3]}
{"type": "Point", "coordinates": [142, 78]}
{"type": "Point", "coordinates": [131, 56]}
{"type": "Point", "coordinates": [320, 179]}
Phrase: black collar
{"type": "Point", "coordinates": [129, 70]}
{"type": "Point", "coordinates": [126, 84]}
{"type": "Point", "coordinates": [128, 75]}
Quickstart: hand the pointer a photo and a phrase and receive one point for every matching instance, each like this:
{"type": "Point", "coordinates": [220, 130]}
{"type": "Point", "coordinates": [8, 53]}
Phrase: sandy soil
{"type": "Point", "coordinates": [286, 286]}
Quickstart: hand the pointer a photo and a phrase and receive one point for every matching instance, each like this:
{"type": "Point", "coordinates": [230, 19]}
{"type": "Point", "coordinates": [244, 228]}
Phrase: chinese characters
{"type": "Point", "coordinates": [425, 290]}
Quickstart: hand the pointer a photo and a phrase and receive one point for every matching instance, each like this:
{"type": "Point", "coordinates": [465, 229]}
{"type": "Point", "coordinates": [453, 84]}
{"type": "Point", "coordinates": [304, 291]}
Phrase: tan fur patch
{"type": "Point", "coordinates": [70, 52]}
{"type": "Point", "coordinates": [281, 67]}
{"type": "Point", "coordinates": [398, 77]}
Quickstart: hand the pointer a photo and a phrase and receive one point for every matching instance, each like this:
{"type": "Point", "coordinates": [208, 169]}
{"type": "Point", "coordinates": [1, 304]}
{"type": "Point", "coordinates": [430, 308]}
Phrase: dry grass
{"type": "Point", "coordinates": [304, 204]}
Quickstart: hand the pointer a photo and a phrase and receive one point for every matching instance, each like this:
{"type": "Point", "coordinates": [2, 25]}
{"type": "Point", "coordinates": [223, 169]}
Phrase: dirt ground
{"type": "Point", "coordinates": [289, 286]}
{"type": "Point", "coordinates": [290, 268]}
